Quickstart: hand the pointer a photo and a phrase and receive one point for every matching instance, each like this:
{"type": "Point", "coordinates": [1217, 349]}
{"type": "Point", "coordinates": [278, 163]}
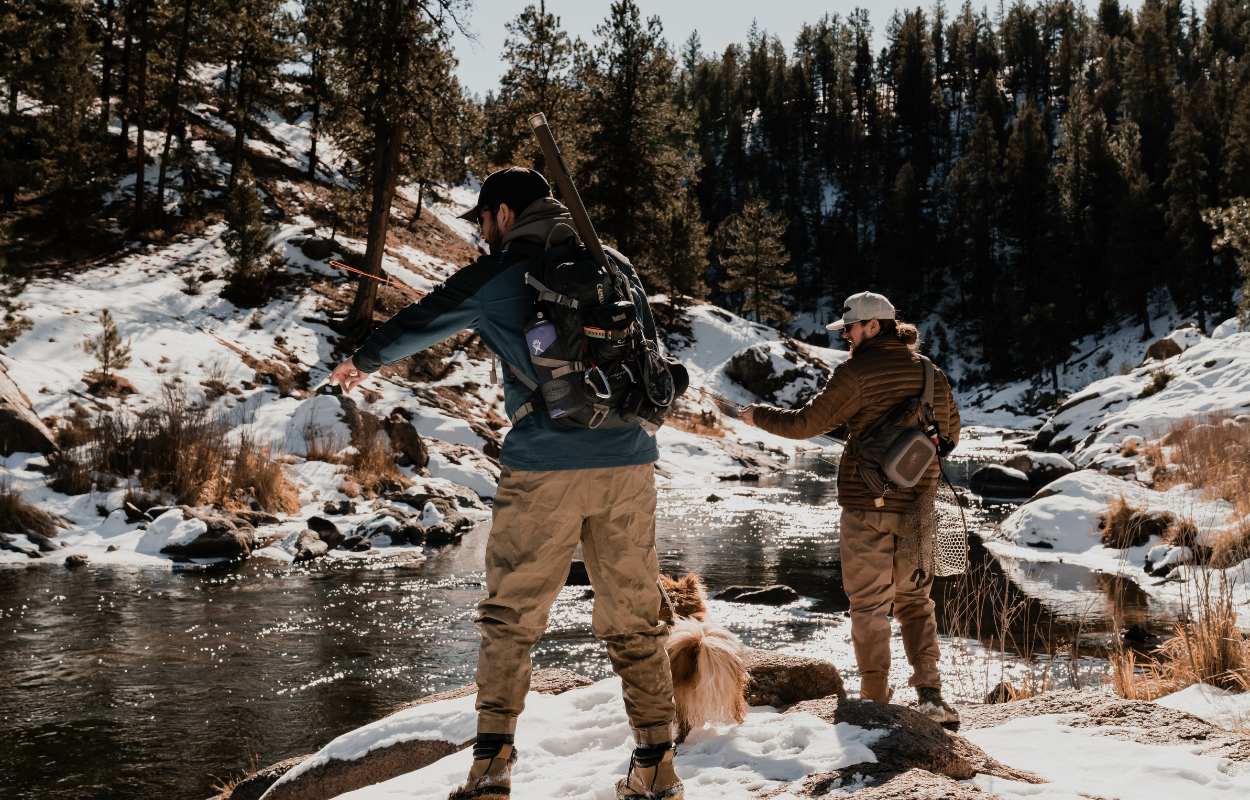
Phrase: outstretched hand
{"type": "Point", "coordinates": [747, 414]}
{"type": "Point", "coordinates": [347, 376]}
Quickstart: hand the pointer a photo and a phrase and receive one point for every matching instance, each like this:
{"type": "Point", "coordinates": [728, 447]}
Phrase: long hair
{"type": "Point", "coordinates": [907, 333]}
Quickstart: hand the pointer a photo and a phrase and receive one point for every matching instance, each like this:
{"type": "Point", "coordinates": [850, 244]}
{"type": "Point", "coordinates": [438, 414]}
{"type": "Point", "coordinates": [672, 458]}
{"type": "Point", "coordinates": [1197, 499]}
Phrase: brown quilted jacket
{"type": "Point", "coordinates": [883, 373]}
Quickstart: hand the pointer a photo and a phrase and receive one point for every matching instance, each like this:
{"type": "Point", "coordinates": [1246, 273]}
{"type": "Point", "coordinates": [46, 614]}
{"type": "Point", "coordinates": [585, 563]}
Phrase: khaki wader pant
{"type": "Point", "coordinates": [875, 575]}
{"type": "Point", "coordinates": [539, 517]}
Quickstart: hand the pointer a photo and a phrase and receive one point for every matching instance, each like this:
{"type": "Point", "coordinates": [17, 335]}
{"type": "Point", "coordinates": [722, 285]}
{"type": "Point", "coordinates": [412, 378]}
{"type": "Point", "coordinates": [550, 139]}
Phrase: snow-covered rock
{"type": "Point", "coordinates": [1215, 705]}
{"type": "Point", "coordinates": [1212, 375]}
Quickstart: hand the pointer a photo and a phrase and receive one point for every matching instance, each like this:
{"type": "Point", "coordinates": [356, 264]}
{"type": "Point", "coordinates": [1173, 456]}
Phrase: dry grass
{"type": "Point", "coordinates": [1208, 648]}
{"type": "Point", "coordinates": [1129, 449]}
{"type": "Point", "coordinates": [322, 444]}
{"type": "Point", "coordinates": [694, 420]}
{"type": "Point", "coordinates": [1211, 453]}
{"type": "Point", "coordinates": [1159, 379]}
{"type": "Point", "coordinates": [181, 449]}
{"type": "Point", "coordinates": [19, 516]}
{"type": "Point", "coordinates": [1125, 526]}
{"type": "Point", "coordinates": [371, 468]}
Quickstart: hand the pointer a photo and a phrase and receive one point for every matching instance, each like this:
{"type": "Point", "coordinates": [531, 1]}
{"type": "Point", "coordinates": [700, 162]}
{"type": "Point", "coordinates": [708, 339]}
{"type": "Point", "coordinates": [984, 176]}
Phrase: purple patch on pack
{"type": "Point", "coordinates": [540, 337]}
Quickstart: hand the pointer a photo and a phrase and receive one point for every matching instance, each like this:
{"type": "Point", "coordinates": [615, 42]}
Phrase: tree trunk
{"type": "Point", "coordinates": [1145, 317]}
{"type": "Point", "coordinates": [106, 67]}
{"type": "Point", "coordinates": [389, 139]}
{"type": "Point", "coordinates": [316, 116]}
{"type": "Point", "coordinates": [123, 94]}
{"type": "Point", "coordinates": [240, 120]}
{"type": "Point", "coordinates": [10, 190]}
{"type": "Point", "coordinates": [141, 120]}
{"type": "Point", "coordinates": [172, 117]}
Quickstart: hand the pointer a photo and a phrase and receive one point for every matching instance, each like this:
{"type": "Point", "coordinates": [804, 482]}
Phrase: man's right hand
{"type": "Point", "coordinates": [747, 414]}
{"type": "Point", "coordinates": [347, 376]}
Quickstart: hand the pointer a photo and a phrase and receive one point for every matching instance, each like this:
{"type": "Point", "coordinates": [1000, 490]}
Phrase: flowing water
{"type": "Point", "coordinates": [129, 683]}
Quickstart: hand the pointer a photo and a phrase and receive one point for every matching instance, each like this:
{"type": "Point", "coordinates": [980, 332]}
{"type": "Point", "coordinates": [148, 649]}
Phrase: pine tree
{"type": "Point", "coordinates": [539, 80]}
{"type": "Point", "coordinates": [110, 352]}
{"type": "Point", "coordinates": [23, 32]}
{"type": "Point", "coordinates": [317, 30]}
{"type": "Point", "coordinates": [1026, 170]}
{"type": "Point", "coordinates": [1236, 154]}
{"type": "Point", "coordinates": [1233, 226]}
{"type": "Point", "coordinates": [681, 246]}
{"type": "Point", "coordinates": [396, 105]}
{"type": "Point", "coordinates": [1187, 175]}
{"type": "Point", "coordinates": [754, 257]}
{"type": "Point", "coordinates": [255, 260]}
{"type": "Point", "coordinates": [1150, 75]}
{"type": "Point", "coordinates": [1134, 242]}
{"type": "Point", "coordinates": [639, 139]}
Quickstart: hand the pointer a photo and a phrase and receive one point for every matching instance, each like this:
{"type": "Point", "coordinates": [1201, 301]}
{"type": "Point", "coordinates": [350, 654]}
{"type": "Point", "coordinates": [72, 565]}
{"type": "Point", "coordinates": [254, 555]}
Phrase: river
{"type": "Point", "coordinates": [144, 683]}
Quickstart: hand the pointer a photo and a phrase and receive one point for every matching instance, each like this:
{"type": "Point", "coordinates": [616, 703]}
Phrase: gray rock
{"type": "Point", "coordinates": [1000, 482]}
{"type": "Point", "coordinates": [339, 508]}
{"type": "Point", "coordinates": [228, 536]}
{"type": "Point", "coordinates": [321, 525]}
{"type": "Point", "coordinates": [309, 545]}
{"type": "Point", "coordinates": [318, 249]}
{"type": "Point", "coordinates": [351, 541]}
{"type": "Point", "coordinates": [1040, 468]}
{"type": "Point", "coordinates": [405, 439]}
{"type": "Point", "coordinates": [398, 526]}
{"type": "Point", "coordinates": [776, 595]}
{"type": "Point", "coordinates": [112, 548]}
{"type": "Point", "coordinates": [21, 430]}
{"type": "Point", "coordinates": [44, 544]}
{"type": "Point", "coordinates": [76, 560]}
{"type": "Point", "coordinates": [362, 546]}
{"type": "Point", "coordinates": [254, 786]}
{"type": "Point", "coordinates": [780, 679]}
{"type": "Point", "coordinates": [337, 777]}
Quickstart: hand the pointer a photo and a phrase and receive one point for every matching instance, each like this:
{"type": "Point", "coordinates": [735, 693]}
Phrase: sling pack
{"type": "Point", "coordinates": [596, 367]}
{"type": "Point", "coordinates": [898, 448]}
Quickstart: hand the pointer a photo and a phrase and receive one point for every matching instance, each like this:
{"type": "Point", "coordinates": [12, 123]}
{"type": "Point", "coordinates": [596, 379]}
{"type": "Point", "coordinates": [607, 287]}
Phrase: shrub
{"type": "Point", "coordinates": [256, 262]}
{"type": "Point", "coordinates": [70, 473]}
{"type": "Point", "coordinates": [1129, 449]}
{"type": "Point", "coordinates": [1124, 526]}
{"type": "Point", "coordinates": [372, 466]}
{"type": "Point", "coordinates": [1211, 453]}
{"type": "Point", "coordinates": [112, 354]}
{"type": "Point", "coordinates": [1159, 378]}
{"type": "Point", "coordinates": [19, 516]}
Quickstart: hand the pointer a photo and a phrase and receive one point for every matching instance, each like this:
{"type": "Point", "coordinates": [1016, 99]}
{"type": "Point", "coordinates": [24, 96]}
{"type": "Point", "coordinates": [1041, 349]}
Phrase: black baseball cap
{"type": "Point", "coordinates": [516, 186]}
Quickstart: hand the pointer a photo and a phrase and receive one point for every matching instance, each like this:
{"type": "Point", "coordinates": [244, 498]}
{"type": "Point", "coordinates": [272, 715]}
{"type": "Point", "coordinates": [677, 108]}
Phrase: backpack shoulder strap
{"type": "Point", "coordinates": [926, 396]}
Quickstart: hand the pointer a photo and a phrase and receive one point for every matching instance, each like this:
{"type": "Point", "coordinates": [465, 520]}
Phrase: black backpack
{"type": "Point", "coordinates": [596, 366]}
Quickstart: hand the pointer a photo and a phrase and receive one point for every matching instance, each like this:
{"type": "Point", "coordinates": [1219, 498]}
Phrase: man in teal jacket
{"type": "Point", "coordinates": [558, 486]}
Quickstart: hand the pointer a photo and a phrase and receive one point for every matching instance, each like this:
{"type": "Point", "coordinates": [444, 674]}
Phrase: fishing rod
{"type": "Point", "coordinates": [736, 404]}
{"type": "Point", "coordinates": [417, 292]}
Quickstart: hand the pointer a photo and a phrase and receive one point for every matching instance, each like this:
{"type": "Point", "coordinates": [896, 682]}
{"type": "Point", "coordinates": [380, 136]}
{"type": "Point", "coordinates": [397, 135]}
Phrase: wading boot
{"type": "Point", "coordinates": [489, 778]}
{"type": "Point", "coordinates": [935, 708]}
{"type": "Point", "coordinates": [656, 782]}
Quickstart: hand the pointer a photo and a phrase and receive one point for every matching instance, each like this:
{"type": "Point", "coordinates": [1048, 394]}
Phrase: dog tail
{"type": "Point", "coordinates": [708, 675]}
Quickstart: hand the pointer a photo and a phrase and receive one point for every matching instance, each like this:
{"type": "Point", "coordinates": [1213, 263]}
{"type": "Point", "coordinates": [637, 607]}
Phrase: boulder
{"type": "Point", "coordinates": [351, 541]}
{"type": "Point", "coordinates": [44, 544]}
{"type": "Point", "coordinates": [776, 595]}
{"type": "Point", "coordinates": [318, 249]}
{"type": "Point", "coordinates": [6, 543]}
{"type": "Point", "coordinates": [335, 777]}
{"type": "Point", "coordinates": [1040, 468]}
{"type": "Point", "coordinates": [578, 576]}
{"type": "Point", "coordinates": [404, 439]}
{"type": "Point", "coordinates": [1161, 350]}
{"type": "Point", "coordinates": [780, 679]}
{"type": "Point", "coordinates": [768, 369]}
{"type": "Point", "coordinates": [1000, 482]}
{"type": "Point", "coordinates": [21, 430]}
{"type": "Point", "coordinates": [914, 784]}
{"type": "Point", "coordinates": [328, 531]}
{"type": "Point", "coordinates": [398, 526]}
{"type": "Point", "coordinates": [309, 545]}
{"type": "Point", "coordinates": [228, 536]}
{"type": "Point", "coordinates": [75, 560]}
{"type": "Point", "coordinates": [257, 518]}
{"type": "Point", "coordinates": [340, 508]}
{"type": "Point", "coordinates": [255, 785]}
{"type": "Point", "coordinates": [912, 742]}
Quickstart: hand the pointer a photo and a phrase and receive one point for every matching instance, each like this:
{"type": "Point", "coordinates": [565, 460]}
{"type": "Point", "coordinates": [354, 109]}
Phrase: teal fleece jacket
{"type": "Point", "coordinates": [491, 297]}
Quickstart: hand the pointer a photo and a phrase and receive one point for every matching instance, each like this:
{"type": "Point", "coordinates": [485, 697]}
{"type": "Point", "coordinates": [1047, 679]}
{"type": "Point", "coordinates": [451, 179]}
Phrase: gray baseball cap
{"type": "Point", "coordinates": [863, 307]}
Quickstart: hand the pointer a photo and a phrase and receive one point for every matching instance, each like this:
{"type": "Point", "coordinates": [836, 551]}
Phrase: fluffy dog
{"type": "Point", "coordinates": [705, 658]}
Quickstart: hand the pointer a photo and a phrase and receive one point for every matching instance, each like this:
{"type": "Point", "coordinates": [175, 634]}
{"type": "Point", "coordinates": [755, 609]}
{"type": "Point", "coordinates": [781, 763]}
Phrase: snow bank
{"type": "Point", "coordinates": [1087, 762]}
{"type": "Point", "coordinates": [1061, 524]}
{"type": "Point", "coordinates": [577, 745]}
{"type": "Point", "coordinates": [1211, 375]}
{"type": "Point", "coordinates": [1215, 705]}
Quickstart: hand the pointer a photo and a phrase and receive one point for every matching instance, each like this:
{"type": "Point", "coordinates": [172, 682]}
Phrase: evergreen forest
{"type": "Point", "coordinates": [1016, 176]}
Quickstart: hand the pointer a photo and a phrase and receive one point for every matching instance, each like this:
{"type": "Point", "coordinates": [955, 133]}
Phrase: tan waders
{"type": "Point", "coordinates": [659, 782]}
{"type": "Point", "coordinates": [539, 518]}
{"type": "Point", "coordinates": [876, 576]}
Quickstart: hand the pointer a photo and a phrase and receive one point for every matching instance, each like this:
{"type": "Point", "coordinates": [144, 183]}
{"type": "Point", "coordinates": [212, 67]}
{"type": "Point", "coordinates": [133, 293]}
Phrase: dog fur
{"type": "Point", "coordinates": [705, 658]}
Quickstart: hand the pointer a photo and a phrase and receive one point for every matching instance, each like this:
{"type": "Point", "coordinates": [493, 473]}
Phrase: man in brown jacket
{"type": "Point", "coordinates": [884, 370]}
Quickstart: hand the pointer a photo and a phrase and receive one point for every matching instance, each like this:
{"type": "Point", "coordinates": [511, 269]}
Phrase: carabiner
{"type": "Point", "coordinates": [607, 388]}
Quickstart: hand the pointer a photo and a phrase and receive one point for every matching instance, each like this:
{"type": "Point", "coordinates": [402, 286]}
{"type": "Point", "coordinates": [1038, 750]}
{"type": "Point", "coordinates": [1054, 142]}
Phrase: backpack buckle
{"type": "Point", "coordinates": [607, 388]}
